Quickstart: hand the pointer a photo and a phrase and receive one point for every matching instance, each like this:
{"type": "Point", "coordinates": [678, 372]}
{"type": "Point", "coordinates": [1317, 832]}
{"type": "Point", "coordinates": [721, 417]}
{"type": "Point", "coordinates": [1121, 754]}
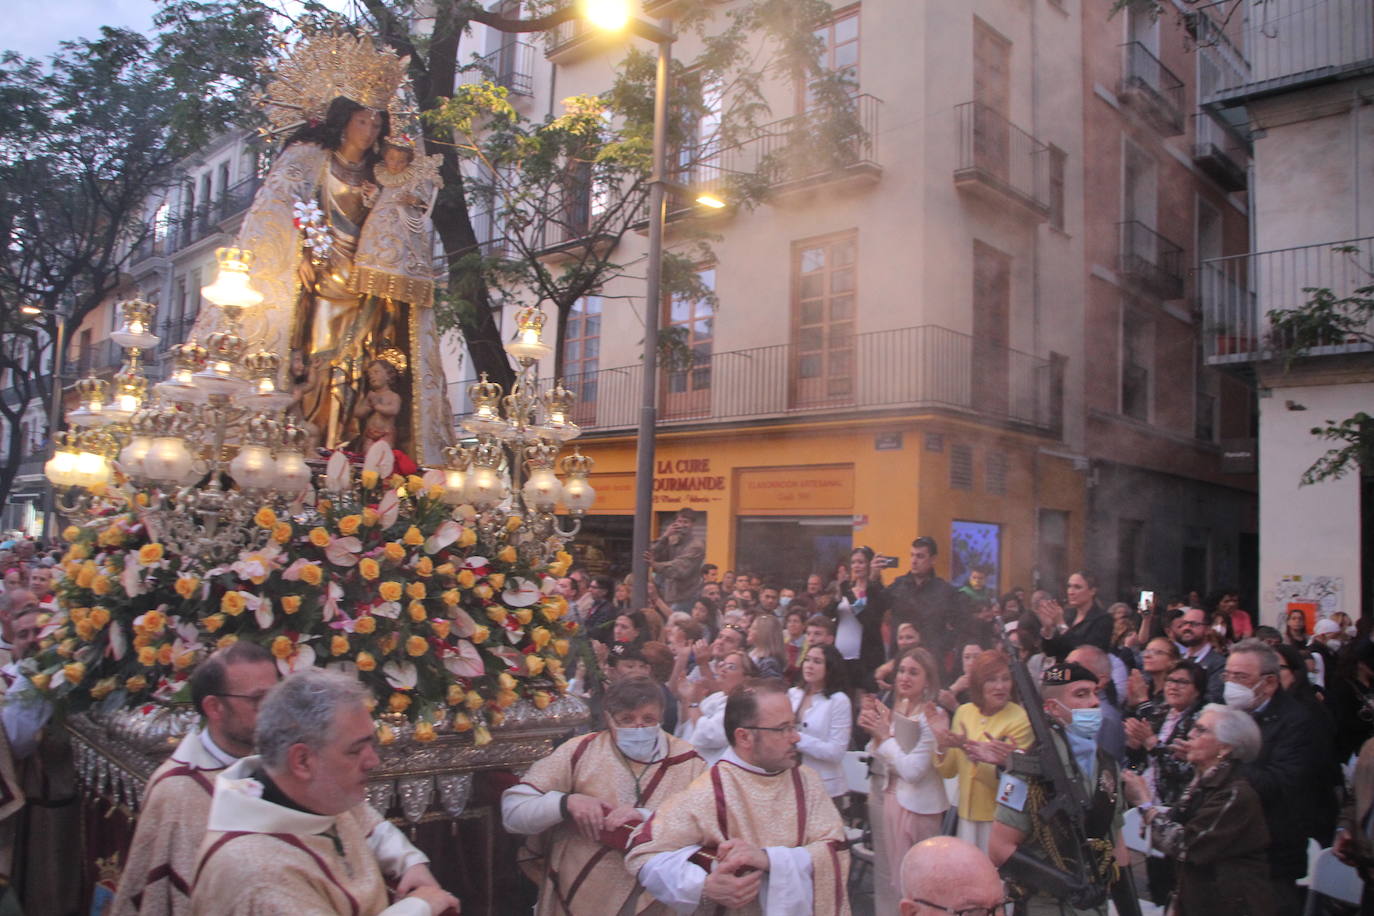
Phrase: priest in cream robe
{"type": "Point", "coordinates": [754, 834]}
{"type": "Point", "coordinates": [226, 689]}
{"type": "Point", "coordinates": [290, 831]}
{"type": "Point", "coordinates": [579, 805]}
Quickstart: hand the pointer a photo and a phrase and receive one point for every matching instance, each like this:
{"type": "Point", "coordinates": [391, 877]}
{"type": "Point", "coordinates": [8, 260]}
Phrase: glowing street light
{"type": "Point", "coordinates": [607, 15]}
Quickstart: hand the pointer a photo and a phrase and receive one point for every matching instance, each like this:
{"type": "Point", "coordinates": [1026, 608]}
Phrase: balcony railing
{"type": "Point", "coordinates": [511, 66]}
{"type": "Point", "coordinates": [1239, 292]}
{"type": "Point", "coordinates": [996, 155]}
{"type": "Point", "coordinates": [1153, 89]}
{"type": "Point", "coordinates": [199, 223]}
{"type": "Point", "coordinates": [1151, 260]}
{"type": "Point", "coordinates": [914, 368]}
{"type": "Point", "coordinates": [1289, 43]}
{"type": "Point", "coordinates": [791, 153]}
{"type": "Point", "coordinates": [1219, 153]}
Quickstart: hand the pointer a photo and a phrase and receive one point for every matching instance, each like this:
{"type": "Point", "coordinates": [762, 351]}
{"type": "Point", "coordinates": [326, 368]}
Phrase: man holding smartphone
{"type": "Point", "coordinates": [929, 602]}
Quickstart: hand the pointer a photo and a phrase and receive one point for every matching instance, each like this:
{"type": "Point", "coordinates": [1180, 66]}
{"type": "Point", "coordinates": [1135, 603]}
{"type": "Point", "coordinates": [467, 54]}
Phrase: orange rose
{"type": "Point", "coordinates": [149, 554]}
{"type": "Point", "coordinates": [213, 623]}
{"type": "Point", "coordinates": [480, 634]}
{"type": "Point", "coordinates": [103, 688]}
{"type": "Point", "coordinates": [496, 580]}
{"type": "Point", "coordinates": [369, 569]}
{"type": "Point", "coordinates": [416, 609]}
{"type": "Point", "coordinates": [226, 641]}
{"type": "Point", "coordinates": [350, 524]}
{"type": "Point", "coordinates": [541, 699]}
{"type": "Point", "coordinates": [338, 645]}
{"type": "Point", "coordinates": [507, 554]}
{"type": "Point", "coordinates": [232, 603]}
{"type": "Point", "coordinates": [136, 683]}
{"type": "Point", "coordinates": [481, 737]}
{"type": "Point", "coordinates": [370, 516]}
{"type": "Point", "coordinates": [524, 615]}
{"type": "Point", "coordinates": [416, 590]}
{"type": "Point", "coordinates": [101, 585]}
{"type": "Point", "coordinates": [534, 664]}
{"type": "Point", "coordinates": [311, 574]}
{"type": "Point", "coordinates": [71, 533]}
{"type": "Point", "coordinates": [540, 637]}
{"type": "Point", "coordinates": [282, 647]}
{"type": "Point", "coordinates": [369, 479]}
{"type": "Point", "coordinates": [416, 646]}
{"type": "Point", "coordinates": [474, 701]}
{"type": "Point", "coordinates": [319, 537]}
{"type": "Point", "coordinates": [483, 592]}
{"type": "Point", "coordinates": [399, 702]}
{"type": "Point", "coordinates": [467, 538]}
{"type": "Point", "coordinates": [424, 732]}
{"type": "Point", "coordinates": [100, 616]}
{"type": "Point", "coordinates": [413, 537]}
{"type": "Point", "coordinates": [390, 591]}
{"type": "Point", "coordinates": [164, 654]}
{"type": "Point", "coordinates": [394, 552]}
{"type": "Point", "coordinates": [290, 604]}
{"type": "Point", "coordinates": [365, 661]}
{"type": "Point", "coordinates": [186, 586]}
{"type": "Point", "coordinates": [281, 532]}
{"type": "Point", "coordinates": [466, 579]}
{"type": "Point", "coordinates": [440, 628]}
{"type": "Point", "coordinates": [451, 597]}
{"type": "Point", "coordinates": [461, 722]}
{"type": "Point", "coordinates": [455, 695]}
{"type": "Point", "coordinates": [385, 735]}
{"type": "Point", "coordinates": [74, 672]}
{"type": "Point", "coordinates": [444, 569]}
{"type": "Point", "coordinates": [424, 568]}
{"type": "Point", "coordinates": [497, 615]}
{"type": "Point", "coordinates": [365, 624]}
{"type": "Point", "coordinates": [560, 646]}
{"type": "Point", "coordinates": [265, 518]}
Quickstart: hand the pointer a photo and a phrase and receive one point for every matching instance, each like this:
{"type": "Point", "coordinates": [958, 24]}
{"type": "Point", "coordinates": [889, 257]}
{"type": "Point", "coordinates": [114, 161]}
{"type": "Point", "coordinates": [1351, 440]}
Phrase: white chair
{"type": "Point", "coordinates": [855, 766]}
{"type": "Point", "coordinates": [1331, 877]}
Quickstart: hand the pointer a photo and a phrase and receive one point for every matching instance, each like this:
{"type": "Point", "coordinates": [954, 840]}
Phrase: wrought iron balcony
{"type": "Point", "coordinates": [199, 223]}
{"type": "Point", "coordinates": [1240, 291]}
{"type": "Point", "coordinates": [1219, 152]}
{"type": "Point", "coordinates": [914, 368]}
{"type": "Point", "coordinates": [1151, 261]}
{"type": "Point", "coordinates": [997, 156]}
{"type": "Point", "coordinates": [1152, 89]}
{"type": "Point", "coordinates": [511, 66]}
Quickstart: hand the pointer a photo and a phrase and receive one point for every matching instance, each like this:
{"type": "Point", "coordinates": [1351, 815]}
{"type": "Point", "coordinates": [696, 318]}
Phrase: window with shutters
{"type": "Point", "coordinates": [686, 382]}
{"type": "Point", "coordinates": [824, 290]}
{"type": "Point", "coordinates": [581, 355]}
{"type": "Point", "coordinates": [996, 475]}
{"type": "Point", "coordinates": [961, 467]}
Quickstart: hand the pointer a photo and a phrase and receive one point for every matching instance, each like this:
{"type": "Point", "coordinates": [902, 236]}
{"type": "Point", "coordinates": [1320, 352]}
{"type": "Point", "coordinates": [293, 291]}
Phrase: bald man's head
{"type": "Point", "coordinates": [950, 873]}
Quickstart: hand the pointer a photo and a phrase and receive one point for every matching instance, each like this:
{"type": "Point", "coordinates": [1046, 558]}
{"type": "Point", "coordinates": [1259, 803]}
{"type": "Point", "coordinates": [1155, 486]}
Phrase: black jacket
{"type": "Point", "coordinates": [1092, 629]}
{"type": "Point", "coordinates": [934, 606]}
{"type": "Point", "coordinates": [1288, 777]}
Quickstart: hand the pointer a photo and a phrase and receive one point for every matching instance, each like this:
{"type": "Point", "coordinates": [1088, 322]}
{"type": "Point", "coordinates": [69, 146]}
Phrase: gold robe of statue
{"type": "Point", "coordinates": [577, 876]}
{"type": "Point", "coordinates": [787, 814]}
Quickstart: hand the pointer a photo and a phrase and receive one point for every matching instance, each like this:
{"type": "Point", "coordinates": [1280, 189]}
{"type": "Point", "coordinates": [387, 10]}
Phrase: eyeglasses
{"type": "Point", "coordinates": [1179, 681]}
{"type": "Point", "coordinates": [997, 909]}
{"type": "Point", "coordinates": [788, 729]}
{"type": "Point", "coordinates": [254, 699]}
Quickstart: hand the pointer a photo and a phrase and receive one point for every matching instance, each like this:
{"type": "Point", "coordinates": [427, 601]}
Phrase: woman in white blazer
{"type": "Point", "coordinates": [914, 798]}
{"type": "Point", "coordinates": [825, 717]}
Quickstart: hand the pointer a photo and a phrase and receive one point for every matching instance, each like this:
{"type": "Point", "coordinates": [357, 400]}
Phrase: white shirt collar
{"type": "Point", "coordinates": [224, 758]}
{"type": "Point", "coordinates": [738, 761]}
{"type": "Point", "coordinates": [239, 805]}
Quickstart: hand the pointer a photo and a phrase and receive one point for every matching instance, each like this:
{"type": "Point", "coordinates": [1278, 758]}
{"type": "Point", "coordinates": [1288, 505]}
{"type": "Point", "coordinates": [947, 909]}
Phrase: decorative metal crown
{"type": "Point", "coordinates": [225, 346]}
{"type": "Point", "coordinates": [325, 66]}
{"type": "Point", "coordinates": [91, 389]}
{"type": "Point", "coordinates": [262, 364]}
{"type": "Point", "coordinates": [395, 357]}
{"type": "Point", "coordinates": [138, 310]}
{"type": "Point", "coordinates": [576, 464]}
{"type": "Point", "coordinates": [189, 356]}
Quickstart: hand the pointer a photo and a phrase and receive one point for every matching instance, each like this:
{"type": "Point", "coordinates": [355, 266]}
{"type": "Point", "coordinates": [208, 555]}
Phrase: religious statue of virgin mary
{"type": "Point", "coordinates": [342, 247]}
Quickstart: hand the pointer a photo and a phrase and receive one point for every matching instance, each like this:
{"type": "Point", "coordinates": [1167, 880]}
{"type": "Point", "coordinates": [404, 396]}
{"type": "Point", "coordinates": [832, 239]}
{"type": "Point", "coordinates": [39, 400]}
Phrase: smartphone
{"type": "Point", "coordinates": [888, 562]}
{"type": "Point", "coordinates": [1146, 599]}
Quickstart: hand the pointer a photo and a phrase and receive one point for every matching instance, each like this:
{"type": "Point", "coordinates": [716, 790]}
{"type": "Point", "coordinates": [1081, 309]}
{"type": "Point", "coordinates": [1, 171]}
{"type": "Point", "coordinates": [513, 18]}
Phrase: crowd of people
{"type": "Point", "coordinates": [727, 716]}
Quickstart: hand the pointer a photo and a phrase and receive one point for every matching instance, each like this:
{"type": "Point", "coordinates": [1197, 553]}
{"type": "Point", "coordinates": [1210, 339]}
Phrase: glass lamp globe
{"type": "Point", "coordinates": [167, 460]}
{"type": "Point", "coordinates": [543, 489]}
{"type": "Point", "coordinates": [253, 467]}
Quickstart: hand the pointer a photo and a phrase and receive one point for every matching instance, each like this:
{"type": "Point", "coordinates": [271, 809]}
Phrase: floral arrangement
{"type": "Point", "coordinates": [446, 617]}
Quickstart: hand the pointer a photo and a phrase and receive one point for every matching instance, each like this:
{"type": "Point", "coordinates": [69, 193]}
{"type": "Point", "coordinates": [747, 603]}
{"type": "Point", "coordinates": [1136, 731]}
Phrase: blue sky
{"type": "Point", "coordinates": [36, 27]}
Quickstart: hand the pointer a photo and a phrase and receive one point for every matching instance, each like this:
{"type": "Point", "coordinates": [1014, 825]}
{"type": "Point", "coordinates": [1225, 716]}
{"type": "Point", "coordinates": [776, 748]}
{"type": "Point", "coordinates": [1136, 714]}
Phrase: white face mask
{"type": "Point", "coordinates": [1335, 644]}
{"type": "Point", "coordinates": [637, 743]}
{"type": "Point", "coordinates": [1239, 696]}
{"type": "Point", "coordinates": [1219, 629]}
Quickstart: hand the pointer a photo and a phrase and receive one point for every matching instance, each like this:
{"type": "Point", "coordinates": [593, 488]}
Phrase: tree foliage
{"type": "Point", "coordinates": [86, 138]}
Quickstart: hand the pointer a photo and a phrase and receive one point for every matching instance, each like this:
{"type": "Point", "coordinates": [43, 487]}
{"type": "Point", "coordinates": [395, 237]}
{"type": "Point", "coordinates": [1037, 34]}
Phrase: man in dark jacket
{"type": "Point", "coordinates": [1288, 773]}
{"type": "Point", "coordinates": [929, 602]}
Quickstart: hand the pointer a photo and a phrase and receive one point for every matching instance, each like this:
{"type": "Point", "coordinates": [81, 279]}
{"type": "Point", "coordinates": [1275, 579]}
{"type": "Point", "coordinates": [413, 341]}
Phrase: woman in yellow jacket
{"type": "Point", "coordinates": [981, 738]}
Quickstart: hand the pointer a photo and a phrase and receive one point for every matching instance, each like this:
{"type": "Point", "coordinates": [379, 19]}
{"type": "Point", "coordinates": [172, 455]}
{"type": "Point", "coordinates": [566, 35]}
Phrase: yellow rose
{"type": "Point", "coordinates": [281, 532]}
{"type": "Point", "coordinates": [496, 716]}
{"type": "Point", "coordinates": [425, 568]}
{"type": "Point", "coordinates": [497, 615]}
{"type": "Point", "coordinates": [541, 699]}
{"type": "Point", "coordinates": [474, 701]}
{"type": "Point", "coordinates": [385, 735]}
{"type": "Point", "coordinates": [85, 578]}
{"type": "Point", "coordinates": [390, 591]}
{"type": "Point", "coordinates": [265, 518]}
{"type": "Point", "coordinates": [399, 702]}
{"type": "Point", "coordinates": [164, 654]}
{"type": "Point", "coordinates": [451, 597]}
{"type": "Point", "coordinates": [480, 634]}
{"type": "Point", "coordinates": [149, 554]}
{"type": "Point", "coordinates": [147, 656]}
{"type": "Point", "coordinates": [338, 645]}
{"type": "Point", "coordinates": [416, 609]}
{"type": "Point", "coordinates": [154, 622]}
{"type": "Point", "coordinates": [369, 569]}
{"type": "Point", "coordinates": [80, 551]}
{"type": "Point", "coordinates": [186, 586]}
{"type": "Point", "coordinates": [505, 680]}
{"type": "Point", "coordinates": [439, 628]}
{"type": "Point", "coordinates": [136, 683]}
{"type": "Point", "coordinates": [365, 661]}
{"type": "Point", "coordinates": [416, 590]}
{"type": "Point", "coordinates": [142, 500]}
{"type": "Point", "coordinates": [324, 505]}
{"type": "Point", "coordinates": [71, 533]}
{"type": "Point", "coordinates": [99, 617]}
{"type": "Point", "coordinates": [461, 722]}
{"type": "Point", "coordinates": [395, 482]}
{"type": "Point", "coordinates": [560, 646]}
{"type": "Point", "coordinates": [86, 630]}
{"type": "Point", "coordinates": [370, 517]}
{"type": "Point", "coordinates": [394, 552]}
{"type": "Point", "coordinates": [365, 624]}
{"type": "Point", "coordinates": [481, 737]}
{"type": "Point", "coordinates": [282, 647]}
{"type": "Point", "coordinates": [74, 672]}
{"type": "Point", "coordinates": [141, 640]}
{"type": "Point", "coordinates": [414, 483]}
{"type": "Point", "coordinates": [413, 537]}
{"type": "Point", "coordinates": [424, 732]}
{"type": "Point", "coordinates": [311, 574]}
{"type": "Point", "coordinates": [435, 491]}
{"type": "Point", "coordinates": [41, 681]}
{"type": "Point", "coordinates": [535, 664]}
{"type": "Point", "coordinates": [507, 554]}
{"type": "Point", "coordinates": [369, 479]}
{"type": "Point", "coordinates": [184, 660]}
{"type": "Point", "coordinates": [319, 537]}
{"type": "Point", "coordinates": [466, 578]}
{"type": "Point", "coordinates": [103, 688]}
{"type": "Point", "coordinates": [290, 604]}
{"type": "Point", "coordinates": [387, 644]}
{"type": "Point", "coordinates": [467, 538]}
{"type": "Point", "coordinates": [483, 591]}
{"type": "Point", "coordinates": [524, 615]}
{"type": "Point", "coordinates": [350, 524]}
{"type": "Point", "coordinates": [416, 646]}
{"type": "Point", "coordinates": [232, 603]}
{"type": "Point", "coordinates": [444, 569]}
{"type": "Point", "coordinates": [213, 623]}
{"type": "Point", "coordinates": [514, 522]}
{"type": "Point", "coordinates": [555, 606]}
{"type": "Point", "coordinates": [67, 648]}
{"type": "Point", "coordinates": [540, 636]}
{"type": "Point", "coordinates": [497, 580]}
{"type": "Point", "coordinates": [226, 641]}
{"type": "Point", "coordinates": [101, 585]}
{"type": "Point", "coordinates": [454, 695]}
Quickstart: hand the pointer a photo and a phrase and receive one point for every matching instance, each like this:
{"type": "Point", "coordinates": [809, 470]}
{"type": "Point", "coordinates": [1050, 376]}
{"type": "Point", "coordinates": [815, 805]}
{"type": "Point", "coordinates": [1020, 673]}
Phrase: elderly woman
{"type": "Point", "coordinates": [1216, 833]}
{"type": "Point", "coordinates": [981, 738]}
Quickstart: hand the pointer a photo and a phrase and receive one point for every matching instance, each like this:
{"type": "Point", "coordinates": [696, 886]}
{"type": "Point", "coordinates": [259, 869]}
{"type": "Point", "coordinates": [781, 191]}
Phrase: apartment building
{"type": "Point", "coordinates": [1300, 78]}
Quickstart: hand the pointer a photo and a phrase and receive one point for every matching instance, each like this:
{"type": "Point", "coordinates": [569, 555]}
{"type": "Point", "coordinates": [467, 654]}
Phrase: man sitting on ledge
{"type": "Point", "coordinates": [289, 830]}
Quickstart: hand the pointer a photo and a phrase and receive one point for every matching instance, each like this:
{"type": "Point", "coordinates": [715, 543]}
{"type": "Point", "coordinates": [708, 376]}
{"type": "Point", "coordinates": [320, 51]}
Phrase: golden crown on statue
{"type": "Point", "coordinates": [325, 66]}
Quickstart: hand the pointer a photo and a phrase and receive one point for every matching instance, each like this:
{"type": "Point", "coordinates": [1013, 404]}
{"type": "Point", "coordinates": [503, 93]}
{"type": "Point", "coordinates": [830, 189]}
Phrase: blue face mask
{"type": "Point", "coordinates": [1086, 722]}
{"type": "Point", "coordinates": [637, 743]}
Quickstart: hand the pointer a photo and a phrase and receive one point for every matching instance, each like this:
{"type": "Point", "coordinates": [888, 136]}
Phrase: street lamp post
{"type": "Point", "coordinates": [54, 405]}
